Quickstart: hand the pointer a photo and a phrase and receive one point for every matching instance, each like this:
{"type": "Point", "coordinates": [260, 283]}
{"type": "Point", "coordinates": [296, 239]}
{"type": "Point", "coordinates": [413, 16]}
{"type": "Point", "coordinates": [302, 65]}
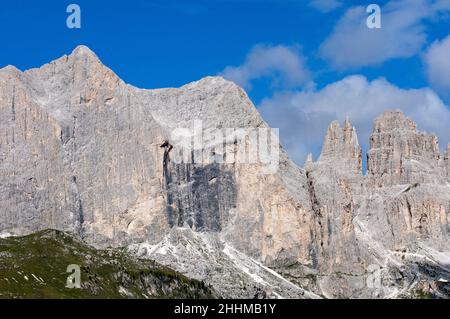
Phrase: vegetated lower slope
{"type": "Point", "coordinates": [35, 266]}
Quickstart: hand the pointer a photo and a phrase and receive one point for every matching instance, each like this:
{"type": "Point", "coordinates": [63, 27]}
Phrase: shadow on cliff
{"type": "Point", "coordinates": [199, 197]}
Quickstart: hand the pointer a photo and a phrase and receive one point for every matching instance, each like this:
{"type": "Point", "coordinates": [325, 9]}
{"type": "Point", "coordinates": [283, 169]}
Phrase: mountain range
{"type": "Point", "coordinates": [85, 153]}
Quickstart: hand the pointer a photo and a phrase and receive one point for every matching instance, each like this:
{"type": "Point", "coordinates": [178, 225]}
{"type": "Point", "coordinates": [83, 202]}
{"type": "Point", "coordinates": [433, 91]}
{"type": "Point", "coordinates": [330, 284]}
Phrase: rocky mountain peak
{"type": "Point", "coordinates": [10, 69]}
{"type": "Point", "coordinates": [73, 82]}
{"type": "Point", "coordinates": [81, 59]}
{"type": "Point", "coordinates": [399, 152]}
{"type": "Point", "coordinates": [309, 162]}
{"type": "Point", "coordinates": [84, 51]}
{"type": "Point", "coordinates": [341, 148]}
{"type": "Point", "coordinates": [393, 120]}
{"type": "Point", "coordinates": [211, 81]}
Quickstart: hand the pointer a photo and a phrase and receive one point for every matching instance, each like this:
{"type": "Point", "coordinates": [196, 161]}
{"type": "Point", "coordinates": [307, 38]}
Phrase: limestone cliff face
{"type": "Point", "coordinates": [334, 183]}
{"type": "Point", "coordinates": [447, 162]}
{"type": "Point", "coordinates": [83, 152]}
{"type": "Point", "coordinates": [399, 153]}
{"type": "Point", "coordinates": [361, 221]}
{"type": "Point", "coordinates": [341, 148]}
{"type": "Point", "coordinates": [406, 163]}
{"type": "Point", "coordinates": [83, 160]}
{"type": "Point", "coordinates": [37, 186]}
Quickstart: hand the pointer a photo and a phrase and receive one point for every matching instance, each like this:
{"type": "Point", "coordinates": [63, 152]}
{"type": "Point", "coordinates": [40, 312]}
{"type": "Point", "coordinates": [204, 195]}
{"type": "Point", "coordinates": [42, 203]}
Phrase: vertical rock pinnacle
{"type": "Point", "coordinates": [341, 148]}
{"type": "Point", "coordinates": [309, 162]}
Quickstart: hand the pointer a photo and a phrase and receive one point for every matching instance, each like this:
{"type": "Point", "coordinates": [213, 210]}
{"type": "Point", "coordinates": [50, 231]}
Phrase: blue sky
{"type": "Point", "coordinates": [158, 43]}
{"type": "Point", "coordinates": [303, 63]}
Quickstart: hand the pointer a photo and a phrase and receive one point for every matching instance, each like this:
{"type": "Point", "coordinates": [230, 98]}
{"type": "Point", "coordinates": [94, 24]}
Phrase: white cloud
{"type": "Point", "coordinates": [325, 5]}
{"type": "Point", "coordinates": [303, 117]}
{"type": "Point", "coordinates": [437, 61]}
{"type": "Point", "coordinates": [403, 34]}
{"type": "Point", "coordinates": [283, 65]}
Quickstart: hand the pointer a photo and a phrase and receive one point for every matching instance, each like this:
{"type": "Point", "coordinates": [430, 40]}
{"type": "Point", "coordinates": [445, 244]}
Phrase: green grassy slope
{"type": "Point", "coordinates": [35, 266]}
